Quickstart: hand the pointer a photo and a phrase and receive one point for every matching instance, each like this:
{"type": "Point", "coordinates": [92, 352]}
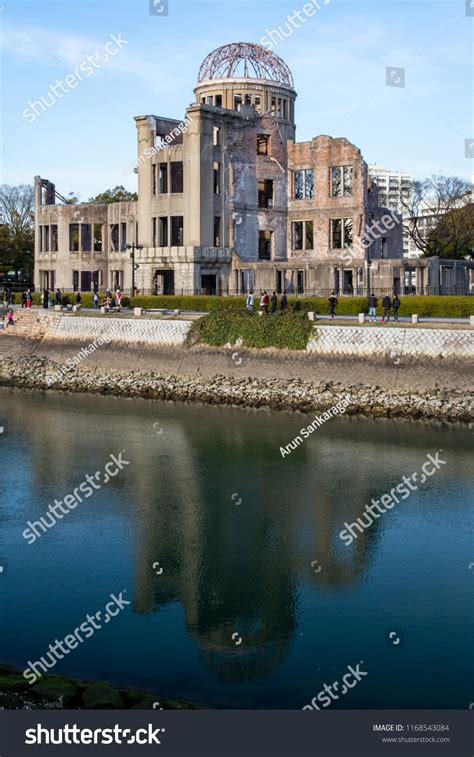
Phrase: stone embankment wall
{"type": "Point", "coordinates": [124, 330]}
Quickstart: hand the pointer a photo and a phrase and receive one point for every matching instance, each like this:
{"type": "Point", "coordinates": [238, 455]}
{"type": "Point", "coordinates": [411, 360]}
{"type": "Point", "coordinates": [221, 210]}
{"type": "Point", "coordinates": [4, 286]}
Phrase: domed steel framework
{"type": "Point", "coordinates": [247, 60]}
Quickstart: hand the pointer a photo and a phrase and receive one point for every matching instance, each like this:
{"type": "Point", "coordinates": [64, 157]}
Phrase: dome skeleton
{"type": "Point", "coordinates": [224, 62]}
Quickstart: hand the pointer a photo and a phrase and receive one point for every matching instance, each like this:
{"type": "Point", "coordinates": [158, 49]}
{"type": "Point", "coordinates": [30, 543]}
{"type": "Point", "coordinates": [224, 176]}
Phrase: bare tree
{"type": "Point", "coordinates": [433, 197]}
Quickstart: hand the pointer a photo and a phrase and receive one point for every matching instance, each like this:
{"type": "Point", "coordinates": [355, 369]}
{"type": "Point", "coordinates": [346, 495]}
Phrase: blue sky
{"type": "Point", "coordinates": [86, 140]}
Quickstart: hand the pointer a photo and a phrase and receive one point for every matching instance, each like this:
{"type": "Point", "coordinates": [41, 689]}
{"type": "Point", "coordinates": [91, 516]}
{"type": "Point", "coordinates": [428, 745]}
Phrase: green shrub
{"type": "Point", "coordinates": [282, 330]}
{"type": "Point", "coordinates": [449, 307]}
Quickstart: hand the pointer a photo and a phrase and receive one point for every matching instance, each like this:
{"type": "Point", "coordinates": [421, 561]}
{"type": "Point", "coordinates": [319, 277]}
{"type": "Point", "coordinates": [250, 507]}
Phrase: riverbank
{"type": "Point", "coordinates": [279, 380]}
{"type": "Point", "coordinates": [54, 692]}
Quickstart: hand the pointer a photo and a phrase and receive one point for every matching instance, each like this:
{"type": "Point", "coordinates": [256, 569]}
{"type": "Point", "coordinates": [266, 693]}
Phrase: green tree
{"type": "Point", "coordinates": [453, 236]}
{"type": "Point", "coordinates": [118, 194]}
{"type": "Point", "coordinates": [17, 229]}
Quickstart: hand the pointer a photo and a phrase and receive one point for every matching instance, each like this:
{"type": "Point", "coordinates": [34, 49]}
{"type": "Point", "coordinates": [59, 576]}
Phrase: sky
{"type": "Point", "coordinates": [86, 139]}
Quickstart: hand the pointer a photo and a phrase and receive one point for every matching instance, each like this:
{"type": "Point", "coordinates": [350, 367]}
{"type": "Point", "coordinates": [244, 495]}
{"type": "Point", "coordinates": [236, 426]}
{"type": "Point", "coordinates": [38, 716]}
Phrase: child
{"type": "Point", "coordinates": [11, 322]}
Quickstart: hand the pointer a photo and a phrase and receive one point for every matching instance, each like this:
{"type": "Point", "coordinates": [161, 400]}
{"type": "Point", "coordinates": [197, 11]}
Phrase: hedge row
{"type": "Point", "coordinates": [287, 330]}
{"type": "Point", "coordinates": [454, 307]}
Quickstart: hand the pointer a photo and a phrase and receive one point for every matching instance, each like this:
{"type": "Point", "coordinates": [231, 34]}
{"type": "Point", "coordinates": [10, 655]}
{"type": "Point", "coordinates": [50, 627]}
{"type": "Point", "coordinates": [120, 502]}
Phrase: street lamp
{"type": "Point", "coordinates": [133, 247]}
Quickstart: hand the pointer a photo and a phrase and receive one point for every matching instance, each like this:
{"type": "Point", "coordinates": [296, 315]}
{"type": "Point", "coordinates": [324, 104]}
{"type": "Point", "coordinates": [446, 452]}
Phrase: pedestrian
{"type": "Point", "coordinates": [266, 301]}
{"type": "Point", "coordinates": [332, 304]}
{"type": "Point", "coordinates": [118, 298]}
{"type": "Point", "coordinates": [10, 321]}
{"type": "Point", "coordinates": [373, 307]}
{"type": "Point", "coordinates": [284, 301]}
{"type": "Point", "coordinates": [396, 307]}
{"type": "Point", "coordinates": [262, 301]}
{"type": "Point", "coordinates": [95, 299]}
{"type": "Point", "coordinates": [8, 296]}
{"type": "Point", "coordinates": [387, 304]}
{"type": "Point", "coordinates": [28, 298]}
{"type": "Point", "coordinates": [274, 301]}
{"type": "Point", "coordinates": [45, 298]}
{"type": "Point", "coordinates": [249, 303]}
{"type": "Point", "coordinates": [58, 296]}
{"type": "Point", "coordinates": [23, 299]}
{"type": "Point", "coordinates": [78, 299]}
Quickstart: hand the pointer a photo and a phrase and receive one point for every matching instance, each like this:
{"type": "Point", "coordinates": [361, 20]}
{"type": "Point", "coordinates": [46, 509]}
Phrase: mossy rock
{"type": "Point", "coordinates": [131, 697]}
{"type": "Point", "coordinates": [56, 689]}
{"type": "Point", "coordinates": [13, 682]}
{"type": "Point", "coordinates": [8, 670]}
{"type": "Point", "coordinates": [101, 696]}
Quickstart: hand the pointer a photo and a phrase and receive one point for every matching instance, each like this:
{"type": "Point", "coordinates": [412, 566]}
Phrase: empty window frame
{"type": "Point", "coordinates": [237, 102]}
{"type": "Point", "coordinates": [176, 169]}
{"type": "Point", "coordinates": [163, 231]}
{"type": "Point", "coordinates": [114, 237]}
{"type": "Point", "coordinates": [302, 235]}
{"type": "Point", "coordinates": [217, 231]}
{"type": "Point", "coordinates": [54, 238]}
{"type": "Point", "coordinates": [74, 237]}
{"type": "Point", "coordinates": [86, 237]}
{"type": "Point", "coordinates": [163, 178]}
{"type": "Point", "coordinates": [341, 180]}
{"type": "Point", "coordinates": [153, 232]}
{"type": "Point", "coordinates": [303, 184]}
{"type": "Point", "coordinates": [341, 233]}
{"type": "Point", "coordinates": [123, 236]}
{"type": "Point", "coordinates": [216, 136]}
{"type": "Point", "coordinates": [176, 231]}
{"type": "Point", "coordinates": [154, 168]}
{"type": "Point", "coordinates": [265, 194]}
{"type": "Point", "coordinates": [265, 245]}
{"type": "Point", "coordinates": [217, 178]}
{"type": "Point", "coordinates": [257, 103]}
{"type": "Point", "coordinates": [75, 280]}
{"type": "Point", "coordinates": [263, 144]}
{"type": "Point", "coordinates": [210, 99]}
{"type": "Point", "coordinates": [218, 101]}
{"type": "Point", "coordinates": [97, 237]}
{"type": "Point", "coordinates": [46, 238]}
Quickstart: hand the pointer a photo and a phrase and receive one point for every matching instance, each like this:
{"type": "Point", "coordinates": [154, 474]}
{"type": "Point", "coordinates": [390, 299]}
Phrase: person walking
{"type": "Point", "coordinates": [57, 297]}
{"type": "Point", "coordinates": [284, 301]}
{"type": "Point", "coordinates": [274, 301]}
{"type": "Point", "coordinates": [8, 296]}
{"type": "Point", "coordinates": [249, 303]}
{"type": "Point", "coordinates": [23, 299]}
{"type": "Point", "coordinates": [95, 299]}
{"type": "Point", "coordinates": [262, 301]}
{"type": "Point", "coordinates": [118, 298]}
{"type": "Point", "coordinates": [28, 298]}
{"type": "Point", "coordinates": [333, 302]}
{"type": "Point", "coordinates": [266, 301]}
{"type": "Point", "coordinates": [373, 307]}
{"type": "Point", "coordinates": [396, 307]}
{"type": "Point", "coordinates": [46, 298]}
{"type": "Point", "coordinates": [387, 304]}
{"type": "Point", "coordinates": [10, 321]}
{"type": "Point", "coordinates": [78, 299]}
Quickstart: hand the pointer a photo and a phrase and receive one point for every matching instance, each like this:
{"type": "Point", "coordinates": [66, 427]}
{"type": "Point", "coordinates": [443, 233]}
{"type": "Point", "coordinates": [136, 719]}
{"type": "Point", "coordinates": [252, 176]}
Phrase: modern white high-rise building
{"type": "Point", "coordinates": [395, 190]}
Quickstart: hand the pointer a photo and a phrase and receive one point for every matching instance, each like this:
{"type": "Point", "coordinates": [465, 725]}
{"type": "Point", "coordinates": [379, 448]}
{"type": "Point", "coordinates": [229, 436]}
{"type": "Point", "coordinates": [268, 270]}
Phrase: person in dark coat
{"type": "Point", "coordinates": [396, 307]}
{"type": "Point", "coordinates": [23, 299]}
{"type": "Point", "coordinates": [274, 301]}
{"type": "Point", "coordinates": [387, 304]}
{"type": "Point", "coordinates": [78, 298]}
{"type": "Point", "coordinates": [58, 296]}
{"type": "Point", "coordinates": [332, 304]}
{"type": "Point", "coordinates": [373, 307]}
{"type": "Point", "coordinates": [45, 298]}
{"type": "Point", "coordinates": [8, 295]}
{"type": "Point", "coordinates": [284, 301]}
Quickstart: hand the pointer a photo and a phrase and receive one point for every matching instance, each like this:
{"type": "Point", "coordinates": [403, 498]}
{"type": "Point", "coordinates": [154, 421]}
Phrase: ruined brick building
{"type": "Point", "coordinates": [228, 201]}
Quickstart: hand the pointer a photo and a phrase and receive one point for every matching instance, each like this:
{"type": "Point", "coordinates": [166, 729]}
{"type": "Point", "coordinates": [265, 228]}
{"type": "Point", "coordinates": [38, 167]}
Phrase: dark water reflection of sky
{"type": "Point", "coordinates": [239, 568]}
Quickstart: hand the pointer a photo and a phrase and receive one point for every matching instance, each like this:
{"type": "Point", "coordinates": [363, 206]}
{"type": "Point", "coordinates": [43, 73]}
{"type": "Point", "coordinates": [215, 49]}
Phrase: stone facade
{"type": "Point", "coordinates": [228, 202]}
